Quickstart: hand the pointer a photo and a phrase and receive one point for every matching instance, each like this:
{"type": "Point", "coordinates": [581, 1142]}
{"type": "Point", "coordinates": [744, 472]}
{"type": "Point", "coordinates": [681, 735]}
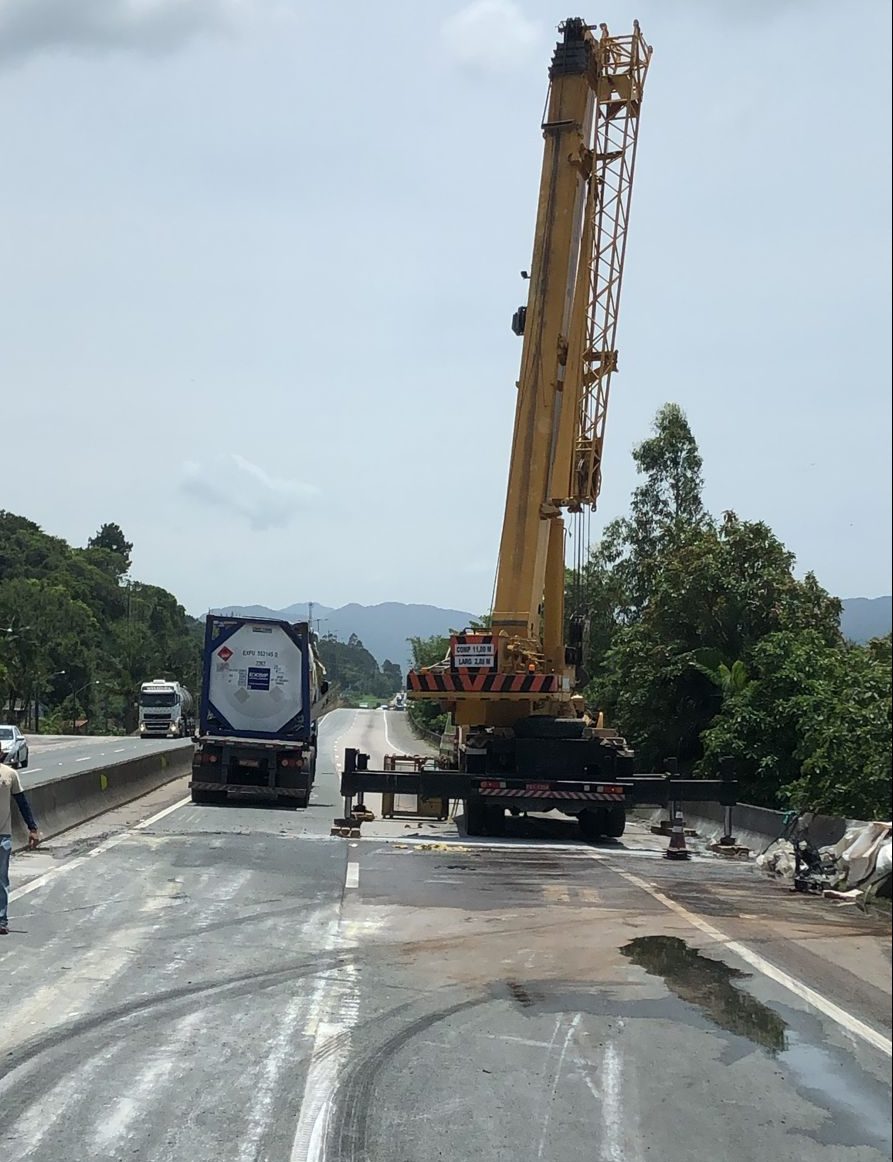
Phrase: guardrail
{"type": "Point", "coordinates": [63, 803]}
{"type": "Point", "coordinates": [66, 802]}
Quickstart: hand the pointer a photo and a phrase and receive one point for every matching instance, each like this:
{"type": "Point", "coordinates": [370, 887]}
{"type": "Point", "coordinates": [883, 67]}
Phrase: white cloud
{"type": "Point", "coordinates": [247, 491]}
{"type": "Point", "coordinates": [30, 27]}
{"type": "Point", "coordinates": [491, 36]}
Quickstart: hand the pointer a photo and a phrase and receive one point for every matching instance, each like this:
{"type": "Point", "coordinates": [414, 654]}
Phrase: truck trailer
{"type": "Point", "coordinates": [263, 686]}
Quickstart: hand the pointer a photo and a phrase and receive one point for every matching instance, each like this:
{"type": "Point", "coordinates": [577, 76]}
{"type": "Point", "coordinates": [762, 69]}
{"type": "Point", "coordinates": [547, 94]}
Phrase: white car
{"type": "Point", "coordinates": [14, 744]}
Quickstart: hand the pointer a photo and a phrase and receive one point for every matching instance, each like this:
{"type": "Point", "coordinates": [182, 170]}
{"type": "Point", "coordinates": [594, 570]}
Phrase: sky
{"type": "Point", "coordinates": [258, 264]}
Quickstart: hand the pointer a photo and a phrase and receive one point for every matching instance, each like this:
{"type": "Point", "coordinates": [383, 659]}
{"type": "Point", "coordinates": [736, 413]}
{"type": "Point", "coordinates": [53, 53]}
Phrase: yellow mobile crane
{"type": "Point", "coordinates": [524, 741]}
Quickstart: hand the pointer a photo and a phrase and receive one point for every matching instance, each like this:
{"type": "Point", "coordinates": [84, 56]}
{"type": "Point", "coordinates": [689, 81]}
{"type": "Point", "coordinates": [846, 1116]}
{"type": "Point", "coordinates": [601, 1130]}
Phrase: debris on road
{"type": "Point", "coordinates": [852, 870]}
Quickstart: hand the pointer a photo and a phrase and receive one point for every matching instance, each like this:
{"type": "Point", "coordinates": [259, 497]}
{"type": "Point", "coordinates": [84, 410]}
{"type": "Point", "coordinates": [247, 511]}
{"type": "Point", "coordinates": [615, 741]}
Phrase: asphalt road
{"type": "Point", "coordinates": [51, 755]}
{"type": "Point", "coordinates": [233, 983]}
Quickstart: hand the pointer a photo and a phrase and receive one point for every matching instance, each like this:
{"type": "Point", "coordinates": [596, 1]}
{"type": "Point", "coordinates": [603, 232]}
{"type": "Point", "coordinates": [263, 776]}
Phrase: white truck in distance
{"type": "Point", "coordinates": [165, 709]}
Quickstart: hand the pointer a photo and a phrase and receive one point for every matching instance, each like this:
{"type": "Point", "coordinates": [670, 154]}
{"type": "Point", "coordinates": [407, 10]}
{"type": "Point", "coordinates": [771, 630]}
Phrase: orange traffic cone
{"type": "Point", "coordinates": [677, 848]}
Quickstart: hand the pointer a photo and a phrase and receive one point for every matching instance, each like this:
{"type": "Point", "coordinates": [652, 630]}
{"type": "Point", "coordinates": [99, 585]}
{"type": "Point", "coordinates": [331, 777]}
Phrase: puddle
{"type": "Point", "coordinates": [708, 984]}
{"type": "Point", "coordinates": [861, 1109]}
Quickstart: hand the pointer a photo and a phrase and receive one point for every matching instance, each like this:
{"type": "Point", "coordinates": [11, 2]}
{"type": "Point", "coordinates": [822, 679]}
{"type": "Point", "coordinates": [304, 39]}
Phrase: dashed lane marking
{"type": "Point", "coordinates": [106, 845]}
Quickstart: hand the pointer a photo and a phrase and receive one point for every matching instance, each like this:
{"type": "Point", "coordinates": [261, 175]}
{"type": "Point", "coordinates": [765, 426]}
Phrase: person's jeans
{"type": "Point", "coordinates": [5, 853]}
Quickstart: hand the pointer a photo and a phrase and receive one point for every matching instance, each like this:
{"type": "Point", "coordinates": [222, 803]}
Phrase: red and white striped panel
{"type": "Point", "coordinates": [503, 793]}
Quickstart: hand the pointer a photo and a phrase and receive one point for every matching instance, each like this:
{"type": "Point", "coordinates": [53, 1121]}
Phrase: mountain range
{"type": "Point", "coordinates": [384, 629]}
{"type": "Point", "coordinates": [866, 617]}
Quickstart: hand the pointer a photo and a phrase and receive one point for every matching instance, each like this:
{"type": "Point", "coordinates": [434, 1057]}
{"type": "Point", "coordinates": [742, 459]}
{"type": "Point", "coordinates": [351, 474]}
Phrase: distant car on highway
{"type": "Point", "coordinates": [15, 746]}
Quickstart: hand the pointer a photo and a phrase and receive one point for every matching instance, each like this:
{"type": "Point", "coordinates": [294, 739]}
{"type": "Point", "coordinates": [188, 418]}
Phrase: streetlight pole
{"type": "Point", "coordinates": [12, 633]}
{"type": "Point", "coordinates": [74, 702]}
{"type": "Point", "coordinates": [40, 685]}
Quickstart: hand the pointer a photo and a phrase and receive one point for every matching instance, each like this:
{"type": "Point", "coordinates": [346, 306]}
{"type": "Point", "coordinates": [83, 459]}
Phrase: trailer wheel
{"type": "Point", "coordinates": [592, 823]}
{"type": "Point", "coordinates": [475, 817]}
{"type": "Point", "coordinates": [615, 821]}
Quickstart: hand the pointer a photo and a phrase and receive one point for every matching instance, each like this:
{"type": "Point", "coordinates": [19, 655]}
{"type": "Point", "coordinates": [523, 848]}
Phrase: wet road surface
{"type": "Point", "coordinates": [233, 983]}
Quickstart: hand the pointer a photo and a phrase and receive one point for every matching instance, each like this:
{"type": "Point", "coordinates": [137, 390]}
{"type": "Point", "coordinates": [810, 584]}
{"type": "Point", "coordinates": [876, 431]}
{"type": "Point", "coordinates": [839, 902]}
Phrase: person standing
{"type": "Point", "coordinates": [11, 788]}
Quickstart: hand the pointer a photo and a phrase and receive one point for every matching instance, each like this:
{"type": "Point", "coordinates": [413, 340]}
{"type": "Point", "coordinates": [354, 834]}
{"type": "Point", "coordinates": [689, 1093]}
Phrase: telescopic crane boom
{"type": "Point", "coordinates": [523, 740]}
{"type": "Point", "coordinates": [525, 665]}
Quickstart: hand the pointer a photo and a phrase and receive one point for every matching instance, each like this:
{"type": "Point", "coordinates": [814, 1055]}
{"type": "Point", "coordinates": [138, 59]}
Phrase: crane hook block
{"type": "Point", "coordinates": [519, 318]}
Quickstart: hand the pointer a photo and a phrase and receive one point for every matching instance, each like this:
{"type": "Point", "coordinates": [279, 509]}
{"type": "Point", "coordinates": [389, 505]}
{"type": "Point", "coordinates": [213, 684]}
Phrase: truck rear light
{"type": "Point", "coordinates": [291, 763]}
{"type": "Point", "coordinates": [539, 787]}
{"type": "Point", "coordinates": [609, 790]}
{"type": "Point", "coordinates": [209, 757]}
{"type": "Point", "coordinates": [491, 784]}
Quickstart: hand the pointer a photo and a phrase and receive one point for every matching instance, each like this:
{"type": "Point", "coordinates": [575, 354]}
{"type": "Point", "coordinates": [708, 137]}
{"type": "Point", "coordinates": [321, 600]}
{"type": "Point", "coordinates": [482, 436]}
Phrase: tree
{"type": "Point", "coordinates": [53, 632]}
{"type": "Point", "coordinates": [716, 595]}
{"type": "Point", "coordinates": [111, 550]}
{"type": "Point", "coordinates": [355, 670]}
{"type": "Point", "coordinates": [75, 616]}
{"type": "Point", "coordinates": [111, 538]}
{"type": "Point", "coordinates": [428, 651]}
{"type": "Point", "coordinates": [811, 728]}
{"type": "Point", "coordinates": [665, 510]}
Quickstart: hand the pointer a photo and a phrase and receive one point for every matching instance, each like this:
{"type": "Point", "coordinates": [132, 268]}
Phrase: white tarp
{"type": "Point", "coordinates": [862, 860]}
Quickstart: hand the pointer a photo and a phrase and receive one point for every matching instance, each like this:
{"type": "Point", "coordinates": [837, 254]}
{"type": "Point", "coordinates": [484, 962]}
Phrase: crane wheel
{"type": "Point", "coordinates": [475, 817]}
{"type": "Point", "coordinates": [494, 820]}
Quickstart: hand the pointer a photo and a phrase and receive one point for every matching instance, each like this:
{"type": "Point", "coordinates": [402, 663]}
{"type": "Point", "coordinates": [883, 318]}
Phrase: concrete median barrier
{"type": "Point", "coordinates": [62, 803]}
{"type": "Point", "coordinates": [755, 827]}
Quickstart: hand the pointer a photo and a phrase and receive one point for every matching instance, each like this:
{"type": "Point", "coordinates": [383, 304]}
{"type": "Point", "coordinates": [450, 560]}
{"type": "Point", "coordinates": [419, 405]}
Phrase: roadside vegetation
{"type": "Point", "coordinates": [78, 635]}
{"type": "Point", "coordinates": [701, 642]}
{"type": "Point", "coordinates": [427, 717]}
{"type": "Point", "coordinates": [356, 673]}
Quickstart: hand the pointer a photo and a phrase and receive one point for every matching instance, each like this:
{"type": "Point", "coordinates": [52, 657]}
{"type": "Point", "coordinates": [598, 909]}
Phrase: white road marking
{"type": "Point", "coordinates": [106, 845]}
{"type": "Point", "coordinates": [335, 1005]}
{"type": "Point", "coordinates": [515, 1040]}
{"type": "Point", "coordinates": [161, 1061]}
{"type": "Point", "coordinates": [85, 759]}
{"type": "Point", "coordinates": [119, 750]}
{"type": "Point", "coordinates": [352, 879]}
{"type": "Point", "coordinates": [822, 1004]}
{"type": "Point", "coordinates": [68, 990]}
{"type": "Point", "coordinates": [277, 1055]}
{"type": "Point", "coordinates": [547, 1113]}
{"type": "Point", "coordinates": [387, 737]}
{"type": "Point", "coordinates": [34, 770]}
{"type": "Point", "coordinates": [613, 1121]}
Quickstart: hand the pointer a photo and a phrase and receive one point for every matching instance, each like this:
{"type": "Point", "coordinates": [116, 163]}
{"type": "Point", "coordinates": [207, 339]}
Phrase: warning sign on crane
{"type": "Point", "coordinates": [474, 652]}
